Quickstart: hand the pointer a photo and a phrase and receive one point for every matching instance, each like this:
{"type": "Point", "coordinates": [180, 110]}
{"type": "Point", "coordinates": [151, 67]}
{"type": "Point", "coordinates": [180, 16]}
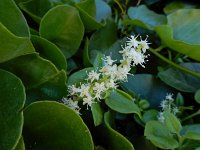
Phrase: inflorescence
{"type": "Point", "coordinates": [106, 78]}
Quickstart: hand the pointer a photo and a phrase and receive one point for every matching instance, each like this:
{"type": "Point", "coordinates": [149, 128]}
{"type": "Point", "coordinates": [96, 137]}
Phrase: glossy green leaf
{"type": "Point", "coordinates": [146, 86]}
{"type": "Point", "coordinates": [172, 122]}
{"type": "Point", "coordinates": [122, 102]}
{"type": "Point", "coordinates": [78, 77]}
{"type": "Point", "coordinates": [182, 32]}
{"type": "Point", "coordinates": [143, 17]}
{"type": "Point", "coordinates": [13, 46]}
{"type": "Point", "coordinates": [51, 125]}
{"type": "Point", "coordinates": [190, 144]}
{"type": "Point", "coordinates": [20, 144]}
{"type": "Point", "coordinates": [159, 135]}
{"type": "Point", "coordinates": [149, 115]}
{"type": "Point", "coordinates": [115, 140]}
{"type": "Point", "coordinates": [97, 113]}
{"type": "Point", "coordinates": [191, 132]}
{"type": "Point", "coordinates": [12, 99]}
{"type": "Point", "coordinates": [180, 80]}
{"type": "Point", "coordinates": [197, 96]}
{"type": "Point", "coordinates": [13, 19]}
{"type": "Point", "coordinates": [54, 88]}
{"type": "Point", "coordinates": [103, 10]}
{"type": "Point", "coordinates": [62, 25]}
{"type": "Point", "coordinates": [32, 69]}
{"type": "Point", "coordinates": [49, 51]}
{"type": "Point", "coordinates": [86, 59]}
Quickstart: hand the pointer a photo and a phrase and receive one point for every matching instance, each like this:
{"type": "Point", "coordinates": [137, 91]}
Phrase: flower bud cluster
{"type": "Point", "coordinates": [167, 105]}
{"type": "Point", "coordinates": [100, 81]}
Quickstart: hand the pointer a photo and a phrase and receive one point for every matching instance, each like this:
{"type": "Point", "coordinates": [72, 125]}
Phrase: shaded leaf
{"type": "Point", "coordinates": [20, 144]}
{"type": "Point", "coordinates": [12, 99]}
{"type": "Point", "coordinates": [13, 46]}
{"type": "Point", "coordinates": [103, 10]}
{"type": "Point", "coordinates": [191, 132]}
{"type": "Point", "coordinates": [181, 80]}
{"type": "Point", "coordinates": [97, 113]}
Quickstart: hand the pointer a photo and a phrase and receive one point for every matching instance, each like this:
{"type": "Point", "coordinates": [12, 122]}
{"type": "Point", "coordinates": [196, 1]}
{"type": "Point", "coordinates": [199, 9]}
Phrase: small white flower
{"type": "Point", "coordinates": [161, 117]}
{"type": "Point", "coordinates": [164, 104]}
{"type": "Point", "coordinates": [169, 97]}
{"type": "Point", "coordinates": [84, 90]}
{"type": "Point", "coordinates": [88, 100]}
{"type": "Point", "coordinates": [73, 90]}
{"type": "Point", "coordinates": [175, 110]}
{"type": "Point", "coordinates": [143, 45]}
{"type": "Point", "coordinates": [99, 87]}
{"type": "Point", "coordinates": [71, 104]}
{"type": "Point", "coordinates": [132, 42]}
{"type": "Point", "coordinates": [109, 71]}
{"type": "Point", "coordinates": [122, 72]}
{"type": "Point", "coordinates": [111, 84]}
{"type": "Point", "coordinates": [93, 75]}
{"type": "Point", "coordinates": [108, 60]}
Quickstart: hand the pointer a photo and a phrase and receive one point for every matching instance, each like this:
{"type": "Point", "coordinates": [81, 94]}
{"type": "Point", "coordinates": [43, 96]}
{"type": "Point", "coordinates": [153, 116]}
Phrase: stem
{"type": "Point", "coordinates": [192, 115]}
{"type": "Point", "coordinates": [184, 69]}
{"type": "Point", "coordinates": [119, 5]}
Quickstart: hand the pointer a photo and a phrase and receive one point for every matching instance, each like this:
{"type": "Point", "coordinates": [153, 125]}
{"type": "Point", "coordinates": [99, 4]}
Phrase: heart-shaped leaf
{"type": "Point", "coordinates": [12, 99]}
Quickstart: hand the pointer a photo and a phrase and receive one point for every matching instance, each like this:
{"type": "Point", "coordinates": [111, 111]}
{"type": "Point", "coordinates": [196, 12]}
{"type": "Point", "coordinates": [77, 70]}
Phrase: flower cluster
{"type": "Point", "coordinates": [106, 78]}
{"type": "Point", "coordinates": [167, 105]}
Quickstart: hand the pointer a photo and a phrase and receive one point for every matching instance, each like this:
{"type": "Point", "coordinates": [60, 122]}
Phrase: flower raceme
{"type": "Point", "coordinates": [106, 78]}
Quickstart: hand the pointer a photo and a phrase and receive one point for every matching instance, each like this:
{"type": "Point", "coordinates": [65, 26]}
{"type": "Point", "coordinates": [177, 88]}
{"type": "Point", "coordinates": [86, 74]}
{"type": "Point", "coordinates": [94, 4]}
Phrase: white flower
{"type": "Point", "coordinates": [99, 87]}
{"type": "Point", "coordinates": [88, 100]}
{"type": "Point", "coordinates": [109, 71]}
{"type": "Point", "coordinates": [122, 72]}
{"type": "Point", "coordinates": [111, 84]}
{"type": "Point", "coordinates": [108, 60]}
{"type": "Point", "coordinates": [73, 90]}
{"type": "Point", "coordinates": [143, 45]}
{"type": "Point", "coordinates": [138, 58]}
{"type": "Point", "coordinates": [84, 90]}
{"type": "Point", "coordinates": [93, 75]}
{"type": "Point", "coordinates": [164, 104]}
{"type": "Point", "coordinates": [175, 110]}
{"type": "Point", "coordinates": [169, 96]}
{"type": "Point", "coordinates": [161, 117]}
{"type": "Point", "coordinates": [132, 42]}
{"type": "Point", "coordinates": [71, 104]}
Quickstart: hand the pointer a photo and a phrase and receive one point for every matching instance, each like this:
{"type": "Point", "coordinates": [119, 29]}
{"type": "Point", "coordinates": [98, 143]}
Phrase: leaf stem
{"type": "Point", "coordinates": [192, 115]}
{"type": "Point", "coordinates": [184, 69]}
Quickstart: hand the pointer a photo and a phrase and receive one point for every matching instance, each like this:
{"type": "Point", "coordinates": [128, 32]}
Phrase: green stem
{"type": "Point", "coordinates": [120, 6]}
{"type": "Point", "coordinates": [192, 115]}
{"type": "Point", "coordinates": [154, 51]}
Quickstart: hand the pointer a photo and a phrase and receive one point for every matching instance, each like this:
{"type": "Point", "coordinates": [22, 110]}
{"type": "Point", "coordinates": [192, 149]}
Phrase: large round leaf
{"type": "Point", "coordinates": [147, 87]}
{"type": "Point", "coordinates": [51, 125]}
{"type": "Point", "coordinates": [13, 46]}
{"type": "Point", "coordinates": [13, 19]}
{"type": "Point", "coordinates": [12, 100]}
{"type": "Point", "coordinates": [182, 32]}
{"type": "Point", "coordinates": [62, 25]}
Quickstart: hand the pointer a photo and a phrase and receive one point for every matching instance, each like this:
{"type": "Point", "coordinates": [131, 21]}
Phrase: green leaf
{"type": "Point", "coordinates": [54, 88]}
{"type": "Point", "coordinates": [32, 69]}
{"type": "Point", "coordinates": [176, 5]}
{"type": "Point", "coordinates": [172, 123]}
{"type": "Point", "coordinates": [181, 80]}
{"type": "Point", "coordinates": [147, 87]}
{"type": "Point", "coordinates": [190, 144]}
{"type": "Point", "coordinates": [86, 59]}
{"type": "Point", "coordinates": [13, 46]}
{"type": "Point", "coordinates": [122, 102]}
{"type": "Point", "coordinates": [12, 99]}
{"type": "Point", "coordinates": [97, 113]}
{"type": "Point", "coordinates": [49, 51]}
{"type": "Point", "coordinates": [51, 125]}
{"type": "Point", "coordinates": [87, 11]}
{"type": "Point", "coordinates": [143, 17]}
{"type": "Point", "coordinates": [13, 19]}
{"type": "Point", "coordinates": [182, 32]}
{"type": "Point", "coordinates": [115, 140]}
{"type": "Point", "coordinates": [79, 76]}
{"type": "Point", "coordinates": [20, 144]}
{"type": "Point", "coordinates": [62, 25]}
{"type": "Point", "coordinates": [191, 132]}
{"type": "Point", "coordinates": [159, 135]}
{"type": "Point", "coordinates": [103, 10]}
{"type": "Point", "coordinates": [197, 96]}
